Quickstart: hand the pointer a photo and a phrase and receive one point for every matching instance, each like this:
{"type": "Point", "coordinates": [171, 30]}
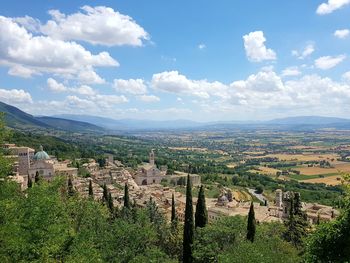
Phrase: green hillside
{"type": "Point", "coordinates": [17, 119]}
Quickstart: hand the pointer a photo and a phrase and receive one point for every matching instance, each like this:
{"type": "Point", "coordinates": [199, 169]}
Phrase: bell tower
{"type": "Point", "coordinates": [151, 157]}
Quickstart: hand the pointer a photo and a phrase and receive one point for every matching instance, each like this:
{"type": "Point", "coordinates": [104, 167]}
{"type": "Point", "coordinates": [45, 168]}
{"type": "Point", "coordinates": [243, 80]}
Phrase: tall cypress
{"type": "Point", "coordinates": [201, 215]}
{"type": "Point", "coordinates": [251, 224]}
{"type": "Point", "coordinates": [70, 187]}
{"type": "Point", "coordinates": [91, 191]}
{"type": "Point", "coordinates": [110, 203]}
{"type": "Point", "coordinates": [173, 210]}
{"type": "Point", "coordinates": [189, 225]}
{"type": "Point", "coordinates": [30, 182]}
{"type": "Point", "coordinates": [37, 177]}
{"type": "Point", "coordinates": [126, 196]}
{"type": "Point", "coordinates": [105, 194]}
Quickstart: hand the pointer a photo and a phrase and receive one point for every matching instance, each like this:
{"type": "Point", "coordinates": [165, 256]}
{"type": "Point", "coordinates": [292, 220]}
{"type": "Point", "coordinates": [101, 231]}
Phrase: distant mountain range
{"type": "Point", "coordinates": [16, 118]}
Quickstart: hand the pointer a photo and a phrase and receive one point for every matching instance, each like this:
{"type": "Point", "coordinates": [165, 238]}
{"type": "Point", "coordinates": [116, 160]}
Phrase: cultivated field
{"type": "Point", "coordinates": [330, 180]}
{"type": "Point", "coordinates": [303, 157]}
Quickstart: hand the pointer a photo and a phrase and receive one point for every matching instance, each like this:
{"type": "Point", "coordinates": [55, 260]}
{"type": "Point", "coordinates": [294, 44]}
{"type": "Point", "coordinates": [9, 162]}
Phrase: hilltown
{"type": "Point", "coordinates": [147, 182]}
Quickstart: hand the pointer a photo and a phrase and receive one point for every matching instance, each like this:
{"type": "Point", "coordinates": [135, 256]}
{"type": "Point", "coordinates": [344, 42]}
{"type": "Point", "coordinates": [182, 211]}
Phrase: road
{"type": "Point", "coordinates": [259, 196]}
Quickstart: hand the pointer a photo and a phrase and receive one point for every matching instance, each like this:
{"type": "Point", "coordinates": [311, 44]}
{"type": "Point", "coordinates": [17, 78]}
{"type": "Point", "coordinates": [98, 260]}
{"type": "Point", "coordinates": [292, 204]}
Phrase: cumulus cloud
{"type": "Point", "coordinates": [342, 33]}
{"type": "Point", "coordinates": [15, 96]}
{"type": "Point", "coordinates": [307, 51]}
{"type": "Point", "coordinates": [328, 62]}
{"type": "Point", "coordinates": [131, 86]}
{"type": "Point", "coordinates": [291, 71]}
{"type": "Point", "coordinates": [96, 25]}
{"type": "Point", "coordinates": [149, 98]}
{"type": "Point", "coordinates": [173, 82]}
{"type": "Point", "coordinates": [254, 44]}
{"type": "Point", "coordinates": [331, 6]}
{"type": "Point", "coordinates": [26, 54]}
{"type": "Point", "coordinates": [54, 86]}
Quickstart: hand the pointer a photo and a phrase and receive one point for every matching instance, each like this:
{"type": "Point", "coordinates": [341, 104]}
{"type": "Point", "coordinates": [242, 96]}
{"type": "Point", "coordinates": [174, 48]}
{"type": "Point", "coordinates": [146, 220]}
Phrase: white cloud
{"type": "Point", "coordinates": [26, 54]}
{"type": "Point", "coordinates": [254, 44]}
{"type": "Point", "coordinates": [307, 51]}
{"type": "Point", "coordinates": [131, 86]}
{"type": "Point", "coordinates": [342, 33]}
{"type": "Point", "coordinates": [97, 25]}
{"type": "Point", "coordinates": [328, 62]}
{"type": "Point", "coordinates": [109, 101]}
{"type": "Point", "coordinates": [330, 6]}
{"type": "Point", "coordinates": [173, 82]}
{"type": "Point", "coordinates": [20, 71]}
{"type": "Point", "coordinates": [15, 96]}
{"type": "Point", "coordinates": [291, 71]}
{"type": "Point", "coordinates": [149, 98]}
{"type": "Point", "coordinates": [202, 46]}
{"type": "Point", "coordinates": [54, 86]}
{"type": "Point", "coordinates": [346, 76]}
{"type": "Point", "coordinates": [84, 90]}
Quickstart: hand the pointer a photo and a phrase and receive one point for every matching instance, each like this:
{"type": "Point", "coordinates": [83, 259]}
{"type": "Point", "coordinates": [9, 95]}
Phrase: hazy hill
{"type": "Point", "coordinates": [132, 124]}
{"type": "Point", "coordinates": [310, 120]}
{"type": "Point", "coordinates": [16, 118]}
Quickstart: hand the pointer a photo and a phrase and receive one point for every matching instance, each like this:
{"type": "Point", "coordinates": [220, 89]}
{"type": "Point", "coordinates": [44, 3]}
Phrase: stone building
{"type": "Point", "coordinates": [149, 173]}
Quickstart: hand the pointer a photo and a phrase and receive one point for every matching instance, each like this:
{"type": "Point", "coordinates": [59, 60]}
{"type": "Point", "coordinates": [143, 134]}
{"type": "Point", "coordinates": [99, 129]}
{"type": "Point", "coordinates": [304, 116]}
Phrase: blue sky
{"type": "Point", "coordinates": [199, 60]}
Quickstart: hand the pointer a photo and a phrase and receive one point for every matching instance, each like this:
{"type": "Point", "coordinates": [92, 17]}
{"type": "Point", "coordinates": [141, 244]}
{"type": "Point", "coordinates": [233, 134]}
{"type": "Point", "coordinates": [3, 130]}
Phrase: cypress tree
{"type": "Point", "coordinates": [173, 210]}
{"type": "Point", "coordinates": [126, 196]}
{"type": "Point", "coordinates": [297, 205]}
{"type": "Point", "coordinates": [296, 225]}
{"type": "Point", "coordinates": [110, 203]}
{"type": "Point", "coordinates": [188, 226]}
{"type": "Point", "coordinates": [70, 187]}
{"type": "Point", "coordinates": [201, 214]}
{"type": "Point", "coordinates": [105, 194]}
{"type": "Point", "coordinates": [91, 191]}
{"type": "Point", "coordinates": [30, 182]}
{"type": "Point", "coordinates": [37, 177]}
{"type": "Point", "coordinates": [251, 224]}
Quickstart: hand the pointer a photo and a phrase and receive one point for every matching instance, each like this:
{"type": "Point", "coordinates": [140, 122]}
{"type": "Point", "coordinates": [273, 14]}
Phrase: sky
{"type": "Point", "coordinates": [165, 60]}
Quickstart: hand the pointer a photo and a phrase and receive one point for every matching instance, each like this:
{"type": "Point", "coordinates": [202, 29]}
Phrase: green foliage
{"type": "Point", "coordinates": [225, 241]}
{"type": "Point", "coordinates": [201, 215]}
{"type": "Point", "coordinates": [331, 240]}
{"type": "Point", "coordinates": [251, 228]}
{"type": "Point", "coordinates": [188, 224]}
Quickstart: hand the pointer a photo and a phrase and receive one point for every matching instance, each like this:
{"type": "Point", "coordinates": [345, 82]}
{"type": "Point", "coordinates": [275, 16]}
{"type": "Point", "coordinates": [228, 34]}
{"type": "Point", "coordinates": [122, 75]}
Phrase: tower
{"type": "Point", "coordinates": [278, 198]}
{"type": "Point", "coordinates": [151, 157]}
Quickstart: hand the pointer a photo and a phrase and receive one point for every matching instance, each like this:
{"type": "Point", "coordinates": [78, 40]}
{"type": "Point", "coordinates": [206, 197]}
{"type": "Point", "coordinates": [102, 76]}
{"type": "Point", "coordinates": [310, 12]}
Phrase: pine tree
{"type": "Point", "coordinates": [105, 194]}
{"type": "Point", "coordinates": [110, 203]}
{"type": "Point", "coordinates": [251, 224]}
{"type": "Point", "coordinates": [91, 191]}
{"type": "Point", "coordinates": [70, 187]}
{"type": "Point", "coordinates": [30, 182]}
{"type": "Point", "coordinates": [126, 196]}
{"type": "Point", "coordinates": [188, 226]}
{"type": "Point", "coordinates": [173, 210]}
{"type": "Point", "coordinates": [37, 177]}
{"type": "Point", "coordinates": [201, 215]}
